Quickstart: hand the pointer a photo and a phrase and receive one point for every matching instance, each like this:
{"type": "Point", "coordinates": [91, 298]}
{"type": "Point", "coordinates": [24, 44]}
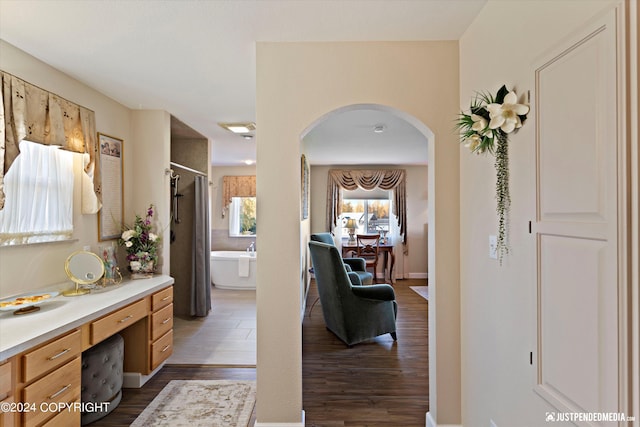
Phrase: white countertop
{"type": "Point", "coordinates": [62, 314]}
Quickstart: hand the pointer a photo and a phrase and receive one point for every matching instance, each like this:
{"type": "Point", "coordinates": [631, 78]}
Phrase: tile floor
{"type": "Point", "coordinates": [226, 337]}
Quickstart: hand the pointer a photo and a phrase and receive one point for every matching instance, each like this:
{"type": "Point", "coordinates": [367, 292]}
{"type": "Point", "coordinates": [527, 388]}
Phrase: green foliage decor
{"type": "Point", "coordinates": [486, 129]}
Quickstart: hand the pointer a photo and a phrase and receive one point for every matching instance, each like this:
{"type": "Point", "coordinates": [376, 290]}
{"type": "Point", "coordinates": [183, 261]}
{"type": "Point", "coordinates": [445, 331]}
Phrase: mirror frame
{"type": "Point", "coordinates": [77, 280]}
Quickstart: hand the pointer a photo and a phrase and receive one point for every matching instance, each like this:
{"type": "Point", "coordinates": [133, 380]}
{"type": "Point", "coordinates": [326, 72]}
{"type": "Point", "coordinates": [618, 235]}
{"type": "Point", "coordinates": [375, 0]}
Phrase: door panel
{"type": "Point", "coordinates": [577, 223]}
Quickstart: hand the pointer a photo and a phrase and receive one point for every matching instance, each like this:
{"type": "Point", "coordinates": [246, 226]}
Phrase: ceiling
{"type": "Point", "coordinates": [196, 59]}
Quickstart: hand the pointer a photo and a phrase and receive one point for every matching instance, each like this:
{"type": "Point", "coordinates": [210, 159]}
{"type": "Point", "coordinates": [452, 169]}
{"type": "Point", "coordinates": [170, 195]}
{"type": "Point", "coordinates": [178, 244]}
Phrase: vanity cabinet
{"type": "Point", "coordinates": [161, 327]}
{"type": "Point", "coordinates": [49, 372]}
{"type": "Point", "coordinates": [117, 321]}
{"type": "Point", "coordinates": [60, 386]}
{"type": "Point", "coordinates": [6, 393]}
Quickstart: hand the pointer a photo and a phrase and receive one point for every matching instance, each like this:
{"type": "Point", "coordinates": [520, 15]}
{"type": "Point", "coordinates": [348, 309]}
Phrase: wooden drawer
{"type": "Point", "coordinates": [7, 419]}
{"type": "Point", "coordinates": [161, 322]}
{"type": "Point", "coordinates": [61, 385]}
{"type": "Point", "coordinates": [50, 356]}
{"type": "Point", "coordinates": [117, 321]}
{"type": "Point", "coordinates": [162, 298]}
{"type": "Point", "coordinates": [66, 418]}
{"type": "Point", "coordinates": [5, 379]}
{"type": "Point", "coordinates": [161, 349]}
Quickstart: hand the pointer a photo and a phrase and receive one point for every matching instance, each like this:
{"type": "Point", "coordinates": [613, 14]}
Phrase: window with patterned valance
{"type": "Point", "coordinates": [237, 186]}
{"type": "Point", "coordinates": [385, 179]}
{"type": "Point", "coordinates": [29, 112]}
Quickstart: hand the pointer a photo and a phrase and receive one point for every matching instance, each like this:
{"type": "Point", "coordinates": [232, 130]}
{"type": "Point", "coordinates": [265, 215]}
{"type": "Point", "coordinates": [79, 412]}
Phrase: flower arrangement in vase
{"type": "Point", "coordinates": [486, 129]}
{"type": "Point", "coordinates": [141, 245]}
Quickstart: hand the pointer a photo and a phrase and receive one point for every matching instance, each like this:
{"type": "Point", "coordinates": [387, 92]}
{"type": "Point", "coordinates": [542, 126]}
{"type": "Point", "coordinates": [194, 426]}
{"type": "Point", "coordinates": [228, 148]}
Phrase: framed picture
{"type": "Point", "coordinates": [111, 215]}
{"type": "Point", "coordinates": [304, 168]}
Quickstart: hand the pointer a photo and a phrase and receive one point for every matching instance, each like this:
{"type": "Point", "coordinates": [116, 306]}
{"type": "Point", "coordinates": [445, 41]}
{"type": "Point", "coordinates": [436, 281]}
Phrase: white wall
{"type": "Point", "coordinates": [503, 46]}
{"type": "Point", "coordinates": [415, 264]}
{"type": "Point", "coordinates": [297, 83]}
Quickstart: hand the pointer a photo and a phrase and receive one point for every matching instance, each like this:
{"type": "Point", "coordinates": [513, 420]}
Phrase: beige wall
{"type": "Point", "coordinates": [415, 264]}
{"type": "Point", "coordinates": [145, 155]}
{"type": "Point", "coordinates": [498, 303]}
{"type": "Point", "coordinates": [297, 83]}
{"type": "Point", "coordinates": [220, 239]}
{"type": "Point", "coordinates": [25, 268]}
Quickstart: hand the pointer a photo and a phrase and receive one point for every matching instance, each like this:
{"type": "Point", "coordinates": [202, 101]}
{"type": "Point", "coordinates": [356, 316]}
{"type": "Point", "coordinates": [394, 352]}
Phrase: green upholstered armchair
{"type": "Point", "coordinates": [357, 265]}
{"type": "Point", "coordinates": [353, 313]}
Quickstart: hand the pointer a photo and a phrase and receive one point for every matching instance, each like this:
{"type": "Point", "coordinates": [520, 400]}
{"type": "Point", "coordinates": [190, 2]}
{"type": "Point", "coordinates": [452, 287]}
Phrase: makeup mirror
{"type": "Point", "coordinates": [84, 268]}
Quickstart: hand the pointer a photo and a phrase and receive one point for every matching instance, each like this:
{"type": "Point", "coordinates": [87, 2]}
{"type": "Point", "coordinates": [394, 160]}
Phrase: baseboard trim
{"type": "Point", "coordinates": [430, 422]}
{"type": "Point", "coordinates": [418, 276]}
{"type": "Point", "coordinates": [296, 424]}
{"type": "Point", "coordinates": [136, 379]}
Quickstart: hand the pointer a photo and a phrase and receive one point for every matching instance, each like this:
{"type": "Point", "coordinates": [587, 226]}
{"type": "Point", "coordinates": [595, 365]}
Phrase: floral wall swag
{"type": "Point", "coordinates": [486, 129]}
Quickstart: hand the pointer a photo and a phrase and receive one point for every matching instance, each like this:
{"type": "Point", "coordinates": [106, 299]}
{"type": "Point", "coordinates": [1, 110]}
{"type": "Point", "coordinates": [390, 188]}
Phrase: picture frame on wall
{"type": "Point", "coordinates": [304, 169]}
{"type": "Point", "coordinates": [110, 217]}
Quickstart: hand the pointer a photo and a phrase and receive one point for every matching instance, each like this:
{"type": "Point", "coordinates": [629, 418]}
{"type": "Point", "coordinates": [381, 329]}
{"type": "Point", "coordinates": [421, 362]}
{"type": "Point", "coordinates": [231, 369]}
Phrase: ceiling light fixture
{"type": "Point", "coordinates": [239, 128]}
{"type": "Point", "coordinates": [379, 128]}
{"type": "Point", "coordinates": [247, 136]}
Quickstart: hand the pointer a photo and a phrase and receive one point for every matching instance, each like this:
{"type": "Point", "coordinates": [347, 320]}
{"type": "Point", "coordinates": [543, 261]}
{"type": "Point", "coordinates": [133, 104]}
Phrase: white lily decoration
{"type": "Point", "coordinates": [153, 237]}
{"type": "Point", "coordinates": [473, 141]}
{"type": "Point", "coordinates": [479, 123]}
{"type": "Point", "coordinates": [128, 234]}
{"type": "Point", "coordinates": [506, 115]}
{"type": "Point", "coordinates": [486, 129]}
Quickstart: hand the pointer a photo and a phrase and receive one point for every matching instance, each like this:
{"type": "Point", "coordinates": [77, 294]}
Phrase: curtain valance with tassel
{"type": "Point", "coordinates": [237, 186]}
{"type": "Point", "coordinates": [29, 112]}
{"type": "Point", "coordinates": [385, 179]}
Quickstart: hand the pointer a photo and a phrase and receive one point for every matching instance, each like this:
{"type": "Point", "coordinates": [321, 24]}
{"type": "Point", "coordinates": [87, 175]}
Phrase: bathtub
{"type": "Point", "coordinates": [227, 272]}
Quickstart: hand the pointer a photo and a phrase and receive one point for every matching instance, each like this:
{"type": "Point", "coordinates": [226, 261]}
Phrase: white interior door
{"type": "Point", "coordinates": [577, 223]}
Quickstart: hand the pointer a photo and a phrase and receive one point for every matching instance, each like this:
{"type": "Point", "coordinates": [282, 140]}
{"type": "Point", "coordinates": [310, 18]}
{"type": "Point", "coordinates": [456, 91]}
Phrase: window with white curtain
{"type": "Point", "coordinates": [242, 217]}
{"type": "Point", "coordinates": [39, 196]}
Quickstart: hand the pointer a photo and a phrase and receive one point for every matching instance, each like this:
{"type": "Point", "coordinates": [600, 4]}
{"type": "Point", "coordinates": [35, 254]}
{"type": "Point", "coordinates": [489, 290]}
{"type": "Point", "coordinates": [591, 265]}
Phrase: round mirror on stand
{"type": "Point", "coordinates": [84, 268]}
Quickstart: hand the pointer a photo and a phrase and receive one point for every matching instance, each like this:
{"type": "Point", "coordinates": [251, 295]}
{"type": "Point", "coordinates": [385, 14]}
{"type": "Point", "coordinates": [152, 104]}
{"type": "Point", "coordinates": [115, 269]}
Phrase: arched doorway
{"type": "Point", "coordinates": [349, 135]}
{"type": "Point", "coordinates": [296, 84]}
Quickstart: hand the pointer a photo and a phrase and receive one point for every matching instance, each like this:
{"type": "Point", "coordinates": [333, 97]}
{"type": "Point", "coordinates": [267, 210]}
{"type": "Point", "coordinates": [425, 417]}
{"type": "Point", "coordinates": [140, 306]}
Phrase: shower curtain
{"type": "Point", "coordinates": [200, 275]}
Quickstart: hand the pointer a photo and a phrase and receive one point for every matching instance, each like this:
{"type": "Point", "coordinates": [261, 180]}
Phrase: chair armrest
{"type": "Point", "coordinates": [356, 264]}
{"type": "Point", "coordinates": [347, 267]}
{"type": "Point", "coordinates": [377, 292]}
{"type": "Point", "coordinates": [355, 279]}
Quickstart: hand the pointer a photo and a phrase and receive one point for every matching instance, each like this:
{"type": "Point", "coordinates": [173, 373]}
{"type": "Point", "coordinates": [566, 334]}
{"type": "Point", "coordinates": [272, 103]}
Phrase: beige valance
{"type": "Point", "coordinates": [29, 112]}
{"type": "Point", "coordinates": [386, 179]}
{"type": "Point", "coordinates": [237, 186]}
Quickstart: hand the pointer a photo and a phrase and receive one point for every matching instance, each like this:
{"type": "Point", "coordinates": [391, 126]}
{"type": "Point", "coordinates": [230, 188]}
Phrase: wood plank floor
{"type": "Point", "coordinates": [376, 383]}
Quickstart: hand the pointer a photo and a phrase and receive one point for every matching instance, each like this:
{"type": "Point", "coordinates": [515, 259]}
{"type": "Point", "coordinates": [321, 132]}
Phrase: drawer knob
{"type": "Point", "coordinates": [55, 356]}
{"type": "Point", "coordinates": [125, 319]}
{"type": "Point", "coordinates": [166, 298]}
{"type": "Point", "coordinates": [165, 321]}
{"type": "Point", "coordinates": [59, 392]}
{"type": "Point", "coordinates": [167, 347]}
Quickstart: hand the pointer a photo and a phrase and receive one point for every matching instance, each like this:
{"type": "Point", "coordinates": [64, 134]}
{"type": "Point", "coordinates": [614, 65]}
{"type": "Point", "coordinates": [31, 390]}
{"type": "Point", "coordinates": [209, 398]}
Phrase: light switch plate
{"type": "Point", "coordinates": [493, 247]}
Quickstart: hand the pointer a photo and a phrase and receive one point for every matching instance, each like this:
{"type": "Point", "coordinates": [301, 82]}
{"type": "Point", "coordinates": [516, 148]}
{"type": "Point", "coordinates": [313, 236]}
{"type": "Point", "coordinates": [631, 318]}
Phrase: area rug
{"type": "Point", "coordinates": [211, 403]}
{"type": "Point", "coordinates": [423, 291]}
